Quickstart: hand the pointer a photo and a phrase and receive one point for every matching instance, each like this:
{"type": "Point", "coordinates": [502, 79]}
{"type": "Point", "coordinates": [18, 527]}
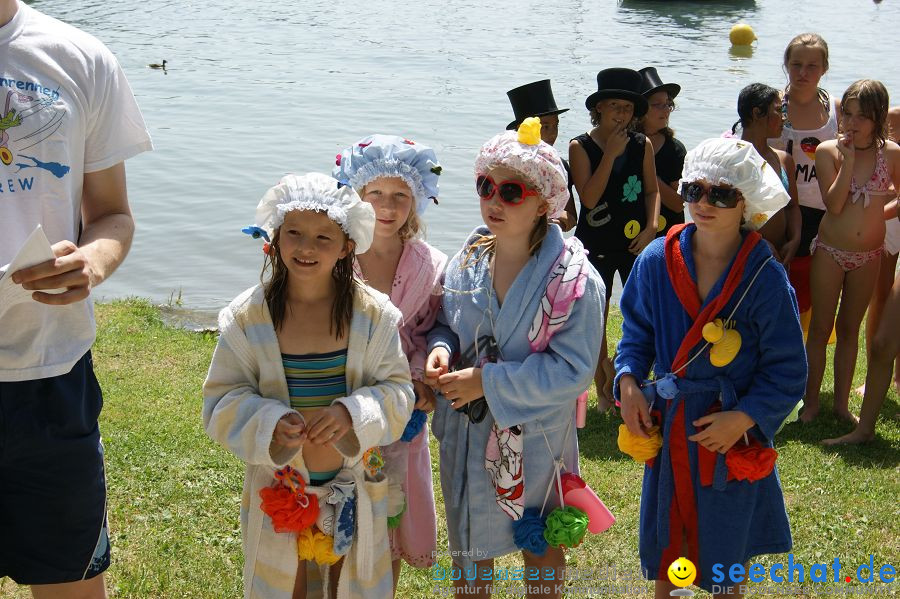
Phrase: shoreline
{"type": "Point", "coordinates": [180, 317]}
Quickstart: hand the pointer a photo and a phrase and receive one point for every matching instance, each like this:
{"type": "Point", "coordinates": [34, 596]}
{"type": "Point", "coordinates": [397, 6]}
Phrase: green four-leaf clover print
{"type": "Point", "coordinates": [631, 189]}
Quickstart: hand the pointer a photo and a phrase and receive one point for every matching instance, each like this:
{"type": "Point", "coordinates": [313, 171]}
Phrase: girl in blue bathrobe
{"type": "Point", "coordinates": [508, 370]}
{"type": "Point", "coordinates": [712, 313]}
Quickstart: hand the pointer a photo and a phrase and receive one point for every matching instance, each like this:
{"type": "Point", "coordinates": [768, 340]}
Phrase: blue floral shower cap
{"type": "Point", "coordinates": [379, 156]}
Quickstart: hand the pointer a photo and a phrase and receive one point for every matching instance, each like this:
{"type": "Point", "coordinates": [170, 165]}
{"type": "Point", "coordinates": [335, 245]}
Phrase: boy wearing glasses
{"type": "Point", "coordinates": [668, 150]}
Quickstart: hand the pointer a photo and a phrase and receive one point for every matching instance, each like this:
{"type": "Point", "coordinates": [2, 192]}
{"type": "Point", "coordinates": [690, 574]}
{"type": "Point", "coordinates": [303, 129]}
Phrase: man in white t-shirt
{"type": "Point", "coordinates": [68, 121]}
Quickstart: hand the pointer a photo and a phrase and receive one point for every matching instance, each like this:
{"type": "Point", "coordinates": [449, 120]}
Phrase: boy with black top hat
{"type": "Point", "coordinates": [614, 173]}
{"type": "Point", "coordinates": [536, 99]}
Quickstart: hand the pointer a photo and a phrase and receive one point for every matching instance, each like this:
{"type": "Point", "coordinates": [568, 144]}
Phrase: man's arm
{"type": "Point", "coordinates": [108, 229]}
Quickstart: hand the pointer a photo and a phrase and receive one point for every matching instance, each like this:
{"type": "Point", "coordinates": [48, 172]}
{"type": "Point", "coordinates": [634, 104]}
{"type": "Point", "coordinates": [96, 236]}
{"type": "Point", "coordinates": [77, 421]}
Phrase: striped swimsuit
{"type": "Point", "coordinates": [314, 381]}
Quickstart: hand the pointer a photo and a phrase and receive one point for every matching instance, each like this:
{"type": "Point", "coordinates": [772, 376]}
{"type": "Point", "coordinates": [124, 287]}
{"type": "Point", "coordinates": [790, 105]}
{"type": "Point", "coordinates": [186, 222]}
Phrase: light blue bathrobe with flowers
{"type": "Point", "coordinates": [536, 390]}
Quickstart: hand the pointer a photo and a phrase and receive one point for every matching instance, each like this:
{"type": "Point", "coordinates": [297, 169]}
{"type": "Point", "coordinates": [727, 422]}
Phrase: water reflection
{"type": "Point", "coordinates": [741, 52]}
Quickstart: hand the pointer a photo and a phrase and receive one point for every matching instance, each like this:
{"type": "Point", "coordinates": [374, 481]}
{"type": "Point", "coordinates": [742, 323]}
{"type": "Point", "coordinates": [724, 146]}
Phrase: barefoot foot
{"type": "Point", "coordinates": [808, 414]}
{"type": "Point", "coordinates": [861, 390]}
{"type": "Point", "coordinates": [846, 415]}
{"type": "Point", "coordinates": [853, 438]}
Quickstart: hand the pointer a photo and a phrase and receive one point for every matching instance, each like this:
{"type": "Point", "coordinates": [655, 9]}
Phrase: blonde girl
{"type": "Point", "coordinates": [399, 178]}
{"type": "Point", "coordinates": [505, 414]}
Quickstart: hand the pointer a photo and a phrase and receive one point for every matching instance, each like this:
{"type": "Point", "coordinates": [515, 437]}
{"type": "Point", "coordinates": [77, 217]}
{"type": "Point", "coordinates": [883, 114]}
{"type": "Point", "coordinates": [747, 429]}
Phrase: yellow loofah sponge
{"type": "Point", "coordinates": [639, 448]}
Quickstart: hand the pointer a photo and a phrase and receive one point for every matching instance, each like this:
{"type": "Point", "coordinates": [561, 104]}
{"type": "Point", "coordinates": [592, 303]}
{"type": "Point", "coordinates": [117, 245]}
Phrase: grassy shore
{"type": "Point", "coordinates": [174, 495]}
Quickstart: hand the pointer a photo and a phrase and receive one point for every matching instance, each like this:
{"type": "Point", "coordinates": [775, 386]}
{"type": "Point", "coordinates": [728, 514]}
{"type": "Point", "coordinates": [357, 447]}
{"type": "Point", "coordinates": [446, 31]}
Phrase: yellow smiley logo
{"type": "Point", "coordinates": [682, 572]}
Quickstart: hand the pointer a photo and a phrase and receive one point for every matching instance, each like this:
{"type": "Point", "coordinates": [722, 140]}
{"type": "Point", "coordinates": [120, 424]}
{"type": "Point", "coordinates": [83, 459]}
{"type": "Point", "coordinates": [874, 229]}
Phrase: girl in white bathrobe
{"type": "Point", "coordinates": [307, 377]}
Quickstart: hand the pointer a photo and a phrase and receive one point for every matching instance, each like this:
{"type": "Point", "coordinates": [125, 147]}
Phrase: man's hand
{"type": "Point", "coordinates": [108, 228]}
{"type": "Point", "coordinates": [70, 271]}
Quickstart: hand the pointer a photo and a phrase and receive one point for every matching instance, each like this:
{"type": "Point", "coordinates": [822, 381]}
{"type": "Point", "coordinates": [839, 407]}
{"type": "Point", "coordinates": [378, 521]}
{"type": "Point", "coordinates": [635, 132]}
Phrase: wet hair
{"type": "Point", "coordinates": [873, 104]}
{"type": "Point", "coordinates": [754, 102]}
{"type": "Point", "coordinates": [807, 40]}
{"type": "Point", "coordinates": [275, 287]}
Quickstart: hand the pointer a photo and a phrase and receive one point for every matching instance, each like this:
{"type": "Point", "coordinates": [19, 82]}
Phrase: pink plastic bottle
{"type": "Point", "coordinates": [581, 410]}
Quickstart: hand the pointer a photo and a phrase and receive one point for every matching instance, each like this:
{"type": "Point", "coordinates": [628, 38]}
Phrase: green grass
{"type": "Point", "coordinates": [174, 495]}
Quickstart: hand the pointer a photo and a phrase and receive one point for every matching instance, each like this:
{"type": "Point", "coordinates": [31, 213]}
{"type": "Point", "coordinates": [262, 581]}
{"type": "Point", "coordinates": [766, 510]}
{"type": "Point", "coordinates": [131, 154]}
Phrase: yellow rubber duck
{"type": "Point", "coordinates": [742, 35]}
{"type": "Point", "coordinates": [529, 132]}
{"type": "Point", "coordinates": [726, 342]}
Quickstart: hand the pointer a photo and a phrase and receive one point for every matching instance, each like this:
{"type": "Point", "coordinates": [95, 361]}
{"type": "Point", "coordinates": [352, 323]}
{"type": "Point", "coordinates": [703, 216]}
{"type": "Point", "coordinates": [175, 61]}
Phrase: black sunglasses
{"type": "Point", "coordinates": [476, 410]}
{"type": "Point", "coordinates": [719, 196]}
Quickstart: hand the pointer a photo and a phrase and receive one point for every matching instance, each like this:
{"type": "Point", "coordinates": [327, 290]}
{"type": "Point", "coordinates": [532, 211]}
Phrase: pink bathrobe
{"type": "Point", "coordinates": [416, 292]}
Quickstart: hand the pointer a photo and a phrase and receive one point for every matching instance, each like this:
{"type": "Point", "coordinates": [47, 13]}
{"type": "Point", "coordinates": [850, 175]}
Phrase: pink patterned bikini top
{"type": "Point", "coordinates": [880, 182]}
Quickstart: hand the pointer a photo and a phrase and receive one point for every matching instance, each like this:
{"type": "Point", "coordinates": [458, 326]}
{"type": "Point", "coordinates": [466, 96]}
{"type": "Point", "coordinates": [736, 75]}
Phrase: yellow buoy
{"type": "Point", "coordinates": [742, 35]}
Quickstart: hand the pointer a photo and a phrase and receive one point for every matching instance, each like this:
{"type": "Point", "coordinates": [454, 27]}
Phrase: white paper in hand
{"type": "Point", "coordinates": [35, 250]}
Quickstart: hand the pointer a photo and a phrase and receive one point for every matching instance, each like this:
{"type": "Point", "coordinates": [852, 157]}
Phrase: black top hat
{"type": "Point", "coordinates": [651, 83]}
{"type": "Point", "coordinates": [623, 84]}
{"type": "Point", "coordinates": [532, 99]}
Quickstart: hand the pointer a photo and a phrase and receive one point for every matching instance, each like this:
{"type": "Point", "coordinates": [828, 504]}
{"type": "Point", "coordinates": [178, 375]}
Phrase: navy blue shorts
{"type": "Point", "coordinates": [52, 482]}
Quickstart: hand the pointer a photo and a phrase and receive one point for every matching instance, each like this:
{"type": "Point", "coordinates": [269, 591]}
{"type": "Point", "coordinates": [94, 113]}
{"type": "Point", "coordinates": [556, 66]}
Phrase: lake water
{"type": "Point", "coordinates": [254, 90]}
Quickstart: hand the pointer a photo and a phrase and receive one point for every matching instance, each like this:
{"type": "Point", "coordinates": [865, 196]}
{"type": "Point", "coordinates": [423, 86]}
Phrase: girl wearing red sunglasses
{"type": "Point", "coordinates": [520, 326]}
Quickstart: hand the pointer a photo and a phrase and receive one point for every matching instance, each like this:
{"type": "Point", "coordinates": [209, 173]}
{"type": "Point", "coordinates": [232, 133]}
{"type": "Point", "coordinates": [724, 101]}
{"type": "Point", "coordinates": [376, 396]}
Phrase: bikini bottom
{"type": "Point", "coordinates": [846, 259]}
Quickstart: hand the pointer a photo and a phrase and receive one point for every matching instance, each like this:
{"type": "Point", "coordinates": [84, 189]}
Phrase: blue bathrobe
{"type": "Point", "coordinates": [735, 520]}
{"type": "Point", "coordinates": [537, 390]}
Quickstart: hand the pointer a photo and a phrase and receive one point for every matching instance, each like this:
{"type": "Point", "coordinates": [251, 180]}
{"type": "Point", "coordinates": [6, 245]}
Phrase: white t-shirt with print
{"type": "Point", "coordinates": [65, 109]}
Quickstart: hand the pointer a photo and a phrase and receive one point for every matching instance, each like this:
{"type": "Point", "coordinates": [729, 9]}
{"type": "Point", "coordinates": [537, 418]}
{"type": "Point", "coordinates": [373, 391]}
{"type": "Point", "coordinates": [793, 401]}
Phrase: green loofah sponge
{"type": "Point", "coordinates": [566, 527]}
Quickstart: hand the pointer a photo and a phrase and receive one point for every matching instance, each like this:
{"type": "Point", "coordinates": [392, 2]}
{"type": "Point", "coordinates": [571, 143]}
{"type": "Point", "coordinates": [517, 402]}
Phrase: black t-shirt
{"type": "Point", "coordinates": [669, 163]}
{"type": "Point", "coordinates": [621, 213]}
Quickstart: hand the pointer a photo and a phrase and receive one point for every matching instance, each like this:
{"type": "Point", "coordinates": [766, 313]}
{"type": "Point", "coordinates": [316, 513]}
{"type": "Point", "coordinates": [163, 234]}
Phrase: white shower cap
{"type": "Point", "coordinates": [319, 193]}
{"type": "Point", "coordinates": [737, 163]}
